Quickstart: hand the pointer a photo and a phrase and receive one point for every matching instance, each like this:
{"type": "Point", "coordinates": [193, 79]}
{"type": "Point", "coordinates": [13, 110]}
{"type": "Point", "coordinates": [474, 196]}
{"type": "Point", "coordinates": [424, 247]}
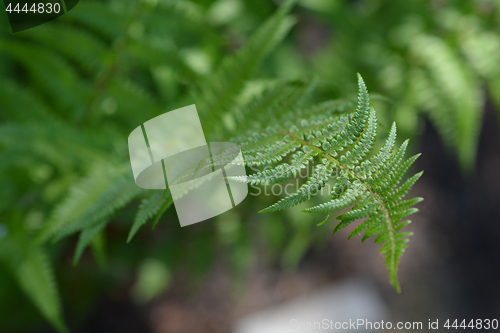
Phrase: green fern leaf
{"type": "Point", "coordinates": [53, 74]}
{"type": "Point", "coordinates": [19, 104]}
{"type": "Point", "coordinates": [76, 44]}
{"type": "Point", "coordinates": [367, 181]}
{"type": "Point", "coordinates": [148, 208]}
{"type": "Point", "coordinates": [36, 278]}
{"type": "Point", "coordinates": [220, 90]}
{"type": "Point", "coordinates": [449, 91]}
{"type": "Point", "coordinates": [94, 199]}
{"type": "Point", "coordinates": [86, 236]}
{"type": "Point", "coordinates": [275, 106]}
{"type": "Point", "coordinates": [100, 18]}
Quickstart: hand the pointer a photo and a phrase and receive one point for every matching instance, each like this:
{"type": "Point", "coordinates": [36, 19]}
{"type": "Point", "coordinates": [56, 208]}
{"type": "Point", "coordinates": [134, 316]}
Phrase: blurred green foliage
{"type": "Point", "coordinates": [439, 58]}
{"type": "Point", "coordinates": [74, 88]}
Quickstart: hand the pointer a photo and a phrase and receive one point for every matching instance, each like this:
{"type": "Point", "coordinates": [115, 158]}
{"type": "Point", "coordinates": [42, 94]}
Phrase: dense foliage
{"type": "Point", "coordinates": [438, 58]}
{"type": "Point", "coordinates": [74, 88]}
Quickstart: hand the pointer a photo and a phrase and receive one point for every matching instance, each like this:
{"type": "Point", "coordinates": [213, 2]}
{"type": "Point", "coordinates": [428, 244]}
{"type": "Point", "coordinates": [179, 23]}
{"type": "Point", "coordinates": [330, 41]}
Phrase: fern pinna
{"type": "Point", "coordinates": [344, 142]}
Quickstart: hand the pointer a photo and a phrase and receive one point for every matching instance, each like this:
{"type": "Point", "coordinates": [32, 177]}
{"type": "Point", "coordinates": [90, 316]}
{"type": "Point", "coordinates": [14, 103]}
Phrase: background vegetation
{"type": "Point", "coordinates": [74, 88]}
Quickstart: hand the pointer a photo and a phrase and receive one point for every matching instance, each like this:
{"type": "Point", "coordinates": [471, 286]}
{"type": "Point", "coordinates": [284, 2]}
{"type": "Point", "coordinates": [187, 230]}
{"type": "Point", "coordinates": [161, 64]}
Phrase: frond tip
{"type": "Point", "coordinates": [370, 182]}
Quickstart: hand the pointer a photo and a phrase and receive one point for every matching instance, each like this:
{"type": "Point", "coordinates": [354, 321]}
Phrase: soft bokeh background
{"type": "Point", "coordinates": [72, 90]}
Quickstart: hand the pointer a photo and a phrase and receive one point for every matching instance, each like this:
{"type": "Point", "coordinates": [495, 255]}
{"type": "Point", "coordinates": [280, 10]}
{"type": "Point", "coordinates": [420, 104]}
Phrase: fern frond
{"type": "Point", "coordinates": [36, 278]}
{"type": "Point", "coordinates": [54, 143]}
{"type": "Point", "coordinates": [32, 270]}
{"type": "Point", "coordinates": [86, 236]}
{"type": "Point", "coordinates": [19, 104]}
{"type": "Point", "coordinates": [148, 208]}
{"type": "Point", "coordinates": [89, 202]}
{"type": "Point", "coordinates": [74, 43]}
{"type": "Point", "coordinates": [274, 105]}
{"type": "Point", "coordinates": [367, 181]}
{"type": "Point", "coordinates": [457, 111]}
{"type": "Point", "coordinates": [53, 74]}
{"type": "Point", "coordinates": [100, 18]}
{"type": "Point", "coordinates": [151, 54]}
{"type": "Point", "coordinates": [130, 97]}
{"type": "Point", "coordinates": [220, 90]}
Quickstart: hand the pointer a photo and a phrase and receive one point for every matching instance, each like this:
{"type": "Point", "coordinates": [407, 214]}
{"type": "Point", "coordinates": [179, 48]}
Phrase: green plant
{"type": "Point", "coordinates": [107, 67]}
{"type": "Point", "coordinates": [343, 142]}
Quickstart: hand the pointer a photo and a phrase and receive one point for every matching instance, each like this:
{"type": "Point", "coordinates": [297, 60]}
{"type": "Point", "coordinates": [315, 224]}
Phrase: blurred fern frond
{"type": "Point", "coordinates": [218, 92]}
{"type": "Point", "coordinates": [109, 65]}
{"type": "Point", "coordinates": [438, 61]}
